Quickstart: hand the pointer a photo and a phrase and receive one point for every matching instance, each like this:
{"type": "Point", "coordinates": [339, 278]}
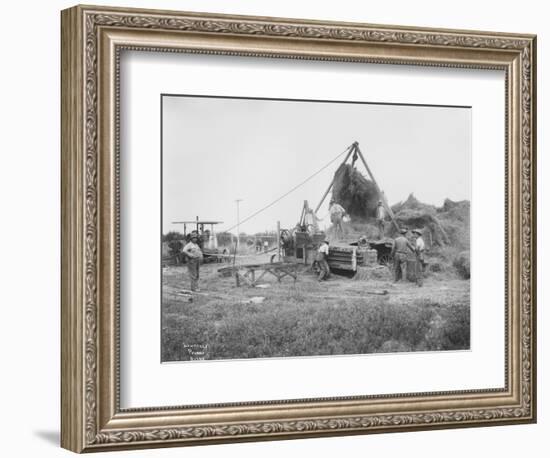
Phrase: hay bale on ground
{"type": "Point", "coordinates": [355, 193]}
{"type": "Point", "coordinates": [373, 273]}
{"type": "Point", "coordinates": [462, 264]}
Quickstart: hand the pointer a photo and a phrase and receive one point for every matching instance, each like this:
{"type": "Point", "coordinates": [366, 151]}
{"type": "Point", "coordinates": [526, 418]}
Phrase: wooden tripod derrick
{"type": "Point", "coordinates": [355, 153]}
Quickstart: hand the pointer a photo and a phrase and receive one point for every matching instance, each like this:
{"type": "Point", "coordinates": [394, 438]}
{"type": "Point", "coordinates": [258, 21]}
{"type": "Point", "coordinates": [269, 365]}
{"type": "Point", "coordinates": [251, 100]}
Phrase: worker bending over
{"type": "Point", "coordinates": [322, 256]}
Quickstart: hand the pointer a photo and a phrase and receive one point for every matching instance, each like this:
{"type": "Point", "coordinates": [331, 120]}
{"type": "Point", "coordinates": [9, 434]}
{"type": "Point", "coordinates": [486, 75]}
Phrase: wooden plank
{"type": "Point", "coordinates": [260, 277]}
{"type": "Point", "coordinates": [278, 270]}
{"type": "Point", "coordinates": [341, 257]}
{"type": "Point", "coordinates": [341, 265]}
{"type": "Point", "coordinates": [341, 249]}
{"type": "Point", "coordinates": [291, 272]}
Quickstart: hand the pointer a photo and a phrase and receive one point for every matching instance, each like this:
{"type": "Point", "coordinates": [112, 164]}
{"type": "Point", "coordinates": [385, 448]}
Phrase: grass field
{"type": "Point", "coordinates": [306, 318]}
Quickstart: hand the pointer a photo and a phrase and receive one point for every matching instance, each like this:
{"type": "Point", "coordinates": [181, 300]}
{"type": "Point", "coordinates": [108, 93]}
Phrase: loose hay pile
{"type": "Point", "coordinates": [355, 193]}
{"type": "Point", "coordinates": [446, 228]}
{"type": "Point", "coordinates": [373, 273]}
{"type": "Point", "coordinates": [414, 214]}
{"type": "Point", "coordinates": [455, 219]}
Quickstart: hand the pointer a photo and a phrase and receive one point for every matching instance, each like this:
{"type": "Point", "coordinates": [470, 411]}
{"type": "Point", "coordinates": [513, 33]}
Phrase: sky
{"type": "Point", "coordinates": [218, 150]}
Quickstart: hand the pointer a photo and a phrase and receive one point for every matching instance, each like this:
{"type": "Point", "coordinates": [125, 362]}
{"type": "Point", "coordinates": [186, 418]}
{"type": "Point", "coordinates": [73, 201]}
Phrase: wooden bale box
{"type": "Point", "coordinates": [343, 258]}
{"type": "Point", "coordinates": [367, 257]}
{"type": "Point", "coordinates": [301, 244]}
{"type": "Point", "coordinates": [318, 238]}
{"type": "Point", "coordinates": [306, 246]}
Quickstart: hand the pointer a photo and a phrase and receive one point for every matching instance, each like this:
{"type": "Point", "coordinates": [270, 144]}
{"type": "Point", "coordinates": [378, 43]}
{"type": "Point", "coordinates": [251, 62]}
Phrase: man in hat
{"type": "Point", "coordinates": [195, 233]}
{"type": "Point", "coordinates": [322, 255]}
{"type": "Point", "coordinates": [419, 248]}
{"type": "Point", "coordinates": [194, 257]}
{"type": "Point", "coordinates": [400, 250]}
{"type": "Point", "coordinates": [337, 213]}
{"type": "Point", "coordinates": [380, 219]}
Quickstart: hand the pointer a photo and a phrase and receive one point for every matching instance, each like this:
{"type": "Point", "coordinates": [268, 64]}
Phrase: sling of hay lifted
{"type": "Point", "coordinates": [359, 196]}
{"type": "Point", "coordinates": [355, 193]}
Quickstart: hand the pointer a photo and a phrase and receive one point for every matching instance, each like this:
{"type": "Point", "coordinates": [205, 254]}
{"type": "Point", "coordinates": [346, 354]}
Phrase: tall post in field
{"type": "Point", "coordinates": [279, 240]}
{"type": "Point", "coordinates": [237, 201]}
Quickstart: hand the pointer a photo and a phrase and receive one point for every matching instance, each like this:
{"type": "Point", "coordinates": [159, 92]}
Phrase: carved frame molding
{"type": "Point", "coordinates": [91, 417]}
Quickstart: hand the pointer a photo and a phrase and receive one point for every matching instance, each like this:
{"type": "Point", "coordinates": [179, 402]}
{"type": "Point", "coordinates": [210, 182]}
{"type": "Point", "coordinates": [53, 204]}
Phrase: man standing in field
{"type": "Point", "coordinates": [322, 255]}
{"type": "Point", "coordinates": [194, 257]}
{"type": "Point", "coordinates": [380, 219]}
{"type": "Point", "coordinates": [400, 249]}
{"type": "Point", "coordinates": [195, 233]}
{"type": "Point", "coordinates": [337, 214]}
{"type": "Point", "coordinates": [419, 248]}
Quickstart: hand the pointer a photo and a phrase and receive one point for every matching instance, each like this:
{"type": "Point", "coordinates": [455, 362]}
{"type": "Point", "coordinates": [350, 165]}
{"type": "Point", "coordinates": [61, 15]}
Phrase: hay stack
{"type": "Point", "coordinates": [414, 214]}
{"type": "Point", "coordinates": [455, 219]}
{"type": "Point", "coordinates": [447, 226]}
{"type": "Point", "coordinates": [355, 193]}
{"type": "Point", "coordinates": [460, 209]}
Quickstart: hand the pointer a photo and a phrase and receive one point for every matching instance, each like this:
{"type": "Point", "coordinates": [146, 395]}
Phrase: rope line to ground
{"type": "Point", "coordinates": [289, 192]}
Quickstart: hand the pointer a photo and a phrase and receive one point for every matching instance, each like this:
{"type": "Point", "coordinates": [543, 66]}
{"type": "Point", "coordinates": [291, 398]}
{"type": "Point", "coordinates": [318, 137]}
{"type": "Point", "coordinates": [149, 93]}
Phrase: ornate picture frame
{"type": "Point", "coordinates": [92, 40]}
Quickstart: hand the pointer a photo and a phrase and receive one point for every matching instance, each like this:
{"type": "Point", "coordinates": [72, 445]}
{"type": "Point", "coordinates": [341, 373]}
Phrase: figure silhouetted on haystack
{"type": "Point", "coordinates": [337, 213]}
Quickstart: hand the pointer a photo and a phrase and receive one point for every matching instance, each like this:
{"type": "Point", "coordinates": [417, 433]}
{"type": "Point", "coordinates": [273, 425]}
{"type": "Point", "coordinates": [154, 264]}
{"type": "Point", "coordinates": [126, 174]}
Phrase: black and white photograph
{"type": "Point", "coordinates": [261, 222]}
{"type": "Point", "coordinates": [301, 228]}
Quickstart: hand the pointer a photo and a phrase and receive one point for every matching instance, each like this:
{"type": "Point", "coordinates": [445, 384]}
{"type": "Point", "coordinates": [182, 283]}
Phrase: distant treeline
{"type": "Point", "coordinates": [224, 238]}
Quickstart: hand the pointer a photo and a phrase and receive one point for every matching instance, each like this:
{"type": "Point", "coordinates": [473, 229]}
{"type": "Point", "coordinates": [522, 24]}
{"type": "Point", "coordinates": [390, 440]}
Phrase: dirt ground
{"type": "Point", "coordinates": [305, 317]}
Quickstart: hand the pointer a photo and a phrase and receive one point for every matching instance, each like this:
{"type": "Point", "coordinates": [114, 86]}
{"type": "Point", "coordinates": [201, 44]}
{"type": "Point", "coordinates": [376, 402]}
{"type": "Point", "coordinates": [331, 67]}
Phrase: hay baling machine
{"type": "Point", "coordinates": [302, 243]}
